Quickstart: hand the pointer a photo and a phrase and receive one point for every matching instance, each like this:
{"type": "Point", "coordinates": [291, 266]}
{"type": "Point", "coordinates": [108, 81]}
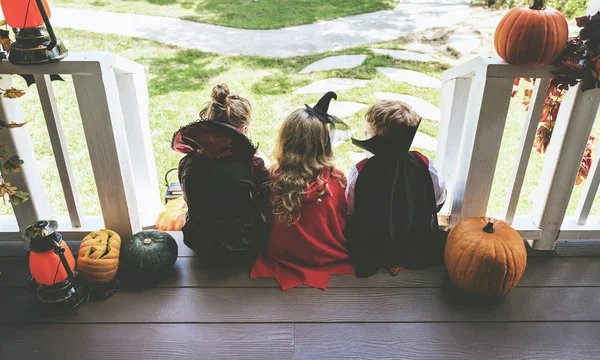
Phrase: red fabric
{"type": "Point", "coordinates": [311, 250]}
{"type": "Point", "coordinates": [423, 157]}
{"type": "Point", "coordinates": [211, 140]}
{"type": "Point", "coordinates": [360, 164]}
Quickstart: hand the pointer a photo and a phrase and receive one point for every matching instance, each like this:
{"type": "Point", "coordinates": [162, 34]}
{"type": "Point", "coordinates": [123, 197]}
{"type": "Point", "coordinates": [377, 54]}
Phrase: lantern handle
{"type": "Point", "coordinates": [53, 40]}
{"type": "Point", "coordinates": [58, 250]}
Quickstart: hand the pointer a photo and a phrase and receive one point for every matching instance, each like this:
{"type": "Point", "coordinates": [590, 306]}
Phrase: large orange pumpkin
{"type": "Point", "coordinates": [485, 256]}
{"type": "Point", "coordinates": [172, 217]}
{"type": "Point", "coordinates": [98, 258]}
{"type": "Point", "coordinates": [531, 35]}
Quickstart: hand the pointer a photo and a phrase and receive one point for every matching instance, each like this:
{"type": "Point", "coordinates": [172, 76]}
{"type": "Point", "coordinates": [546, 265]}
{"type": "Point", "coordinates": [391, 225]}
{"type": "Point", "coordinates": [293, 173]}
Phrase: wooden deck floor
{"type": "Point", "coordinates": [554, 313]}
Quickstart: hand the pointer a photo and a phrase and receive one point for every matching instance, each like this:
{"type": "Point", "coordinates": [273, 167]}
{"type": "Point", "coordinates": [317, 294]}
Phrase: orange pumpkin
{"type": "Point", "coordinates": [98, 258]}
{"type": "Point", "coordinates": [531, 35]}
{"type": "Point", "coordinates": [172, 217]}
{"type": "Point", "coordinates": [485, 257]}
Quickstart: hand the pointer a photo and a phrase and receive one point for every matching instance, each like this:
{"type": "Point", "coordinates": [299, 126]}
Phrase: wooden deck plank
{"type": "Point", "coordinates": [251, 305]}
{"type": "Point", "coordinates": [188, 272]}
{"type": "Point", "coordinates": [147, 341]}
{"type": "Point", "coordinates": [509, 341]}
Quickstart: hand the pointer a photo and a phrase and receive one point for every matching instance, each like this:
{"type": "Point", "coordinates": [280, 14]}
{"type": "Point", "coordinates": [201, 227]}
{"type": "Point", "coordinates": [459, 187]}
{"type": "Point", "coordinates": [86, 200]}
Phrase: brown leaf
{"type": "Point", "coordinates": [13, 125]}
{"type": "Point", "coordinates": [13, 93]}
{"type": "Point", "coordinates": [5, 188]}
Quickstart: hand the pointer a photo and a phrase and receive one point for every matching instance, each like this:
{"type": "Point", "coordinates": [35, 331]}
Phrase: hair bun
{"type": "Point", "coordinates": [220, 94]}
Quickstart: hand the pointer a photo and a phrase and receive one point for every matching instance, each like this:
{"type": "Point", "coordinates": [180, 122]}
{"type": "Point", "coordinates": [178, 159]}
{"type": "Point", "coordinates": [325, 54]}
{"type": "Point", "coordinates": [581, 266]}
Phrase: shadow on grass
{"type": "Point", "coordinates": [185, 71]}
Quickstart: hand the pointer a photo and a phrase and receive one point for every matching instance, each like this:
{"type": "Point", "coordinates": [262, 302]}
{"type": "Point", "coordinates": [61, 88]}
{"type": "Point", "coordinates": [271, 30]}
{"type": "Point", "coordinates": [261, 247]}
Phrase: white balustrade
{"type": "Point", "coordinates": [469, 144]}
{"type": "Point", "coordinates": [112, 96]}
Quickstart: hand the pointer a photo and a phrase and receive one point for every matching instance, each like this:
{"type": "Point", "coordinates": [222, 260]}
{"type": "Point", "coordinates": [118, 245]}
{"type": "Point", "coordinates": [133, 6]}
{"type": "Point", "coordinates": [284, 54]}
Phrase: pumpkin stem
{"type": "Point", "coordinates": [147, 241]}
{"type": "Point", "coordinates": [537, 5]}
{"type": "Point", "coordinates": [489, 228]}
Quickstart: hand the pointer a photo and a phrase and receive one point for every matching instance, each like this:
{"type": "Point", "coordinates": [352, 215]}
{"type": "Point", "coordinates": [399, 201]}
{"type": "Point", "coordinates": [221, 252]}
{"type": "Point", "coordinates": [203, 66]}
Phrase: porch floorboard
{"type": "Point", "coordinates": [554, 313]}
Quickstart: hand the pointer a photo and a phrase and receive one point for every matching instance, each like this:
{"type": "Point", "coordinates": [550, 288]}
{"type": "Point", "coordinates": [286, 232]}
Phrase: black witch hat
{"type": "Point", "coordinates": [338, 128]}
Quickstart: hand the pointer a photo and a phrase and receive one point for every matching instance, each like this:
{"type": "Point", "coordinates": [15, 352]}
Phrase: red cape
{"type": "Point", "coordinates": [311, 250]}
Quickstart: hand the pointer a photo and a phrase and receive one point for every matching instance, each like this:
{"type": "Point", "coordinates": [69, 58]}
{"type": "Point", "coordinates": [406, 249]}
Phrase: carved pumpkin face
{"type": "Point", "coordinates": [98, 258]}
{"type": "Point", "coordinates": [531, 35]}
{"type": "Point", "coordinates": [172, 217]}
{"type": "Point", "coordinates": [485, 257]}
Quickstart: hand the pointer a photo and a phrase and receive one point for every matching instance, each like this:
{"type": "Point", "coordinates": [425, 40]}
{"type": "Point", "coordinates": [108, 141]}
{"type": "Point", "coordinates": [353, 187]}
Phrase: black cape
{"type": "Point", "coordinates": [395, 219]}
{"type": "Point", "coordinates": [226, 189]}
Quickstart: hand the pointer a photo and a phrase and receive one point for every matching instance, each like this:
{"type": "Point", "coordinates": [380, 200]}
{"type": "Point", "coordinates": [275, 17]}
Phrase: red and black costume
{"type": "Point", "coordinates": [312, 249]}
{"type": "Point", "coordinates": [226, 189]}
{"type": "Point", "coordinates": [395, 212]}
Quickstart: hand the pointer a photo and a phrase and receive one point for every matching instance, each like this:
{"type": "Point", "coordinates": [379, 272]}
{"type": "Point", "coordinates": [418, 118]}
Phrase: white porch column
{"type": "Point", "coordinates": [28, 179]}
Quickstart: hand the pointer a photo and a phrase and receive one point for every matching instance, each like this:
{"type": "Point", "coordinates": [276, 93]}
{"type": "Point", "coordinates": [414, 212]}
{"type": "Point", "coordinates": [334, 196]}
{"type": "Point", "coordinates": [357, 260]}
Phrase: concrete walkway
{"type": "Point", "coordinates": [408, 17]}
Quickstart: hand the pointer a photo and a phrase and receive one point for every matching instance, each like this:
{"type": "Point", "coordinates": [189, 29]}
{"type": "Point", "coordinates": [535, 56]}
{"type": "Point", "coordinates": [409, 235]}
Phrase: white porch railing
{"type": "Point", "coordinates": [113, 102]}
{"type": "Point", "coordinates": [474, 106]}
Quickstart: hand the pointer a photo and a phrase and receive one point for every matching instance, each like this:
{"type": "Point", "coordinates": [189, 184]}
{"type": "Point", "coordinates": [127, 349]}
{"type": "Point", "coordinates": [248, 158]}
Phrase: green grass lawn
{"type": "Point", "coordinates": [180, 83]}
{"type": "Point", "coordinates": [247, 14]}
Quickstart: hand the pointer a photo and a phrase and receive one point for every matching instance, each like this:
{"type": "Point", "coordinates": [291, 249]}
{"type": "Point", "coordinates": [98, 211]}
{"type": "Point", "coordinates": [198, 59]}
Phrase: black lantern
{"type": "Point", "coordinates": [51, 264]}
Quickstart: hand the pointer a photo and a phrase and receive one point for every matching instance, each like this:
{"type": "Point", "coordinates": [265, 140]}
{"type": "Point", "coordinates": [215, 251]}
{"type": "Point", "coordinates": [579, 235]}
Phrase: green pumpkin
{"type": "Point", "coordinates": [148, 256]}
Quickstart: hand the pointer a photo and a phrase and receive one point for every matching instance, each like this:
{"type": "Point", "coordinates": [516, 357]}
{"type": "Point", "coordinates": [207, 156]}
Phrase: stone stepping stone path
{"type": "Point", "coordinates": [465, 41]}
{"type": "Point", "coordinates": [412, 77]}
{"type": "Point", "coordinates": [422, 107]}
{"type": "Point", "coordinates": [404, 55]}
{"type": "Point", "coordinates": [332, 84]}
{"type": "Point", "coordinates": [335, 62]}
{"type": "Point", "coordinates": [344, 108]}
{"type": "Point", "coordinates": [424, 141]}
{"type": "Point", "coordinates": [340, 136]}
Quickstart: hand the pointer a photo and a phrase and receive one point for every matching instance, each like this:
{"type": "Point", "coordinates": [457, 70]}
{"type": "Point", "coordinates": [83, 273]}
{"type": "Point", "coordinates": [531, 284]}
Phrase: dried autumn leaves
{"type": "Point", "coordinates": [10, 163]}
{"type": "Point", "coordinates": [543, 135]}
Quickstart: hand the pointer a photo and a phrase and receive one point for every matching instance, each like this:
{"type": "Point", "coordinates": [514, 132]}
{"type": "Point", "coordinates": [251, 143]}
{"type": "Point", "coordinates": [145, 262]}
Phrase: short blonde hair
{"type": "Point", "coordinates": [387, 115]}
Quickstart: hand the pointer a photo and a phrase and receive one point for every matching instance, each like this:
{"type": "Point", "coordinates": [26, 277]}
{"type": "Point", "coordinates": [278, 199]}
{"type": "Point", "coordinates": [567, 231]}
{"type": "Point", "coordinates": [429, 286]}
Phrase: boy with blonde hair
{"type": "Point", "coordinates": [393, 196]}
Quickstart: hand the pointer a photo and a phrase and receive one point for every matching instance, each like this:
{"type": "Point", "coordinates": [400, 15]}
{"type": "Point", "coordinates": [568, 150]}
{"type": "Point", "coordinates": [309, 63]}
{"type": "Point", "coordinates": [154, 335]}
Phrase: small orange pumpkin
{"type": "Point", "coordinates": [531, 35]}
{"type": "Point", "coordinates": [98, 257]}
{"type": "Point", "coordinates": [485, 256]}
{"type": "Point", "coordinates": [172, 217]}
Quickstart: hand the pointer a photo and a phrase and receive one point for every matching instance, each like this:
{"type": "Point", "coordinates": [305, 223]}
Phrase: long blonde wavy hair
{"type": "Point", "coordinates": [302, 153]}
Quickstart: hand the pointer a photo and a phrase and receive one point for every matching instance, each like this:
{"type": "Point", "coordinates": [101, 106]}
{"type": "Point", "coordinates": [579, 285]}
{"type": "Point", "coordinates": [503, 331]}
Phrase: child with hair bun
{"type": "Point", "coordinates": [224, 182]}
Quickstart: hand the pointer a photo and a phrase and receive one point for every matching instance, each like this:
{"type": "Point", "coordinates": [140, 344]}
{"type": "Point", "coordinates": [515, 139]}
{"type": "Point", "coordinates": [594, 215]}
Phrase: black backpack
{"type": "Point", "coordinates": [227, 197]}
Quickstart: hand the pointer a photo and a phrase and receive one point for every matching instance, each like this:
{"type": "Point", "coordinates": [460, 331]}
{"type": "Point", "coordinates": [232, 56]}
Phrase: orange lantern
{"type": "Point", "coordinates": [51, 264]}
{"type": "Point", "coordinates": [24, 13]}
{"type": "Point", "coordinates": [35, 43]}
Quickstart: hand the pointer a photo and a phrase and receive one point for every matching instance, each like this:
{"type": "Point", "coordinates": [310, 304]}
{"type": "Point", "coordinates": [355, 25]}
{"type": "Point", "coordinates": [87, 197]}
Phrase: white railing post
{"type": "Point", "coordinates": [102, 118]}
{"type": "Point", "coordinates": [485, 118]}
{"type": "Point", "coordinates": [28, 179]}
{"type": "Point", "coordinates": [133, 92]}
{"type": "Point", "coordinates": [563, 158]}
{"type": "Point", "coordinates": [527, 139]}
{"type": "Point", "coordinates": [453, 106]}
{"type": "Point", "coordinates": [59, 147]}
{"type": "Point", "coordinates": [590, 188]}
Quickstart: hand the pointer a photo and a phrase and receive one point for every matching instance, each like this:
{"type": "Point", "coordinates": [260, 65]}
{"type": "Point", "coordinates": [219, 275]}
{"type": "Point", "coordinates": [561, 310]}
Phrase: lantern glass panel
{"type": "Point", "coordinates": [23, 13]}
